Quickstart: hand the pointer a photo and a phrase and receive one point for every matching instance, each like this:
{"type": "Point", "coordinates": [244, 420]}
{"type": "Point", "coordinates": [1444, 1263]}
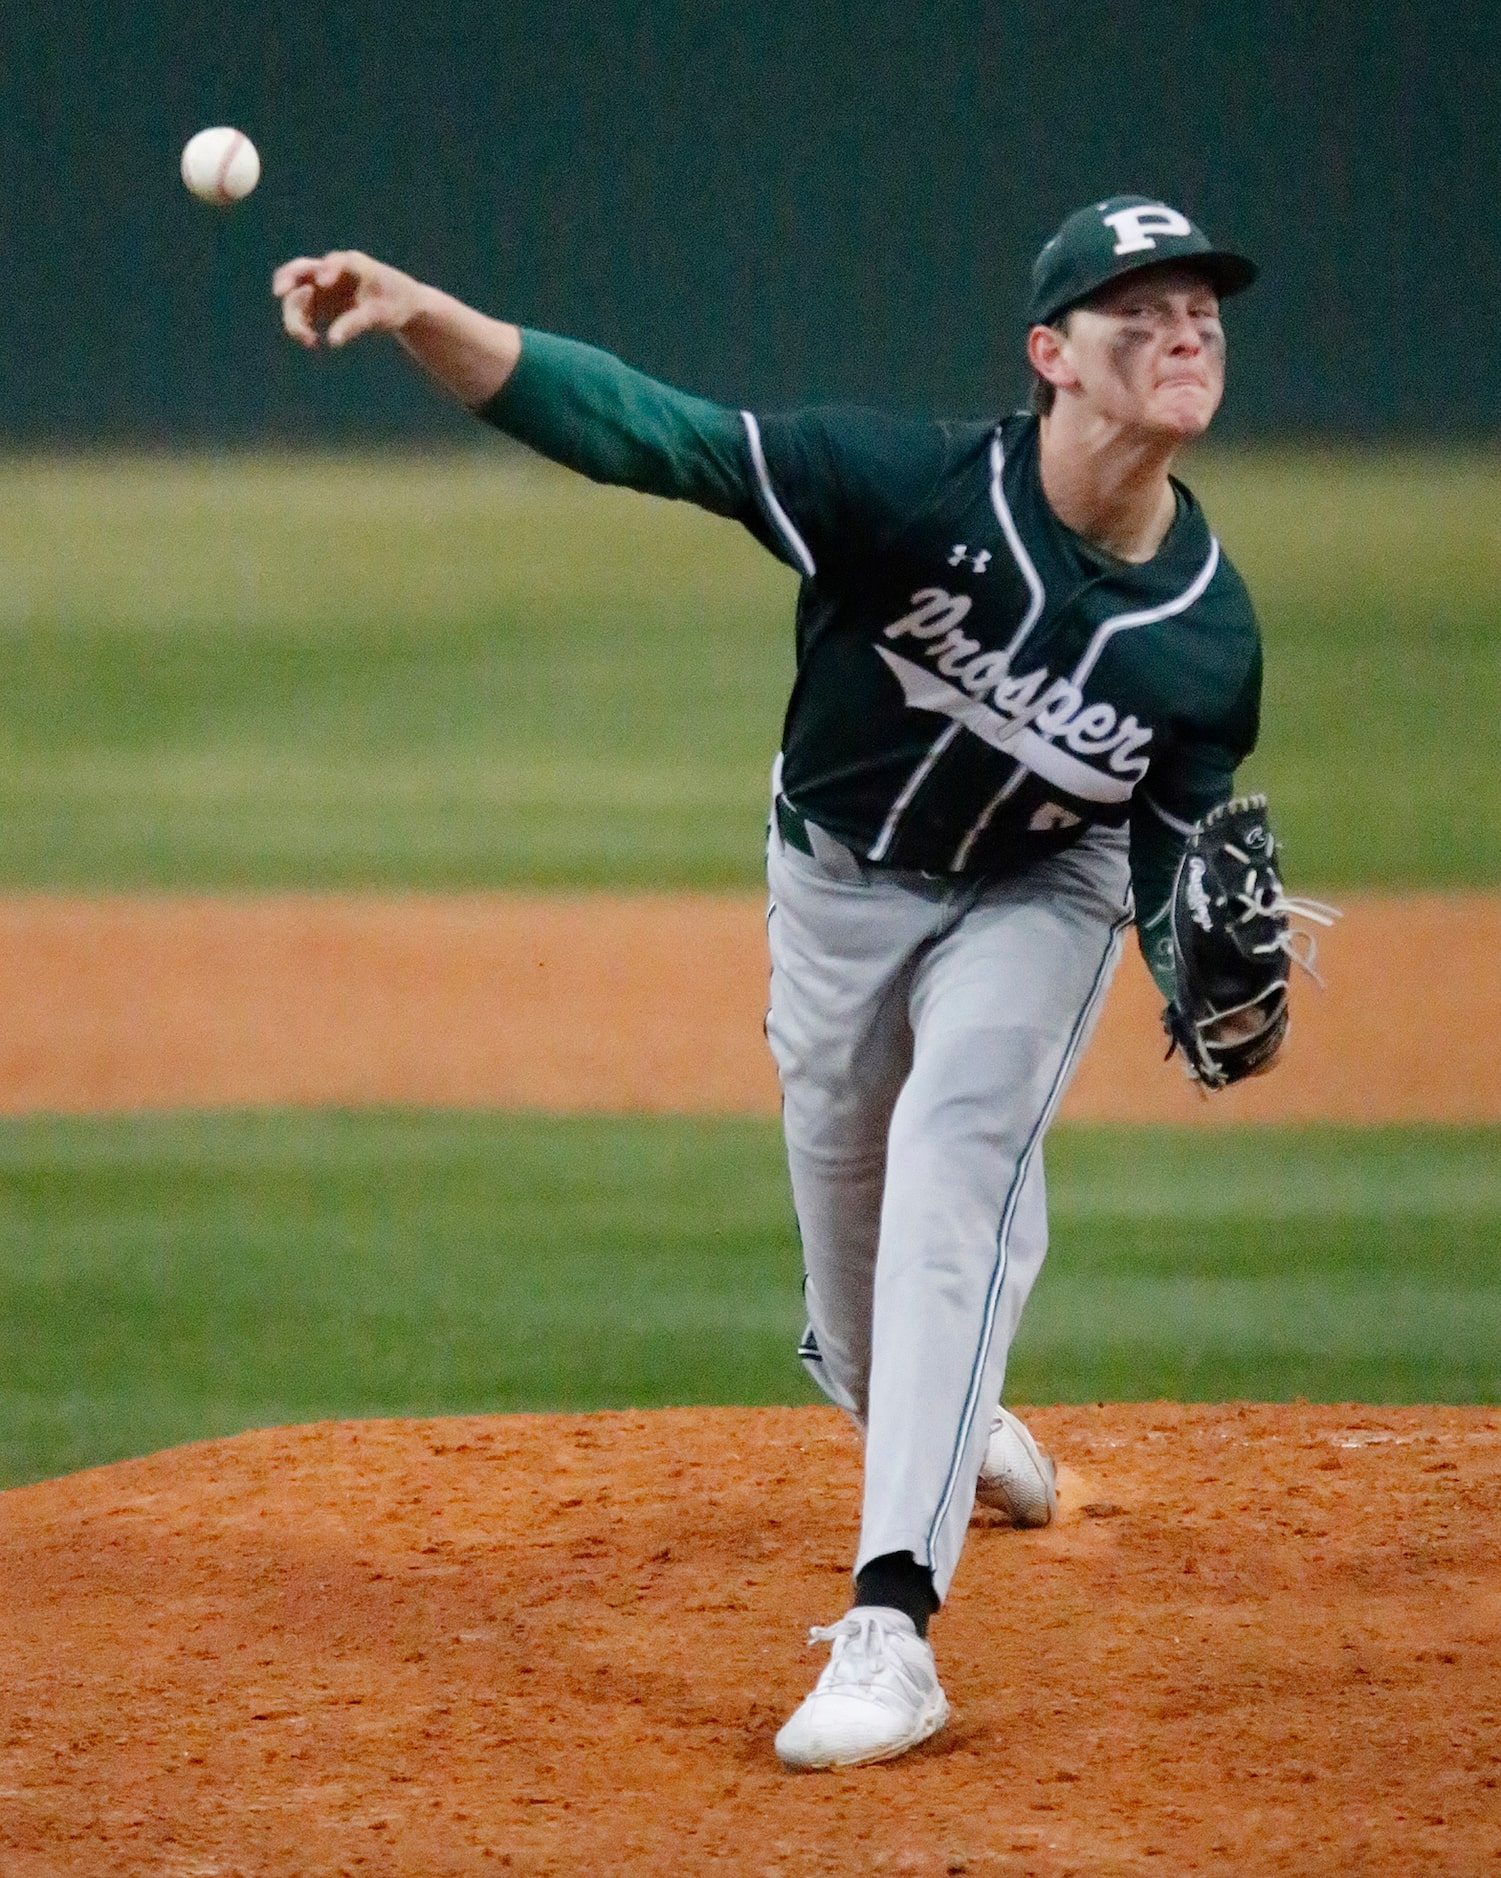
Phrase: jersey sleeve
{"type": "Point", "coordinates": [815, 487]}
{"type": "Point", "coordinates": [588, 410]}
{"type": "Point", "coordinates": [1196, 775]}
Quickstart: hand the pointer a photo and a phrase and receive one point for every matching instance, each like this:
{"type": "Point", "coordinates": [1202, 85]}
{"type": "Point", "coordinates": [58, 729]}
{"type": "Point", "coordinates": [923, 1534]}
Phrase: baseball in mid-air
{"type": "Point", "coordinates": [220, 165]}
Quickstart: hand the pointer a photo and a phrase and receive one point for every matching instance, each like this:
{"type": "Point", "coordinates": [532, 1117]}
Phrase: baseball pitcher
{"type": "Point", "coordinates": [1026, 674]}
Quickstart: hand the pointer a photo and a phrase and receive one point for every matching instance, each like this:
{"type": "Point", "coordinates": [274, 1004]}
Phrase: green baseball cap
{"type": "Point", "coordinates": [1118, 236]}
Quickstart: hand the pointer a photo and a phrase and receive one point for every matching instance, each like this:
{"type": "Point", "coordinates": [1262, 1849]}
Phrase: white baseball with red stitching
{"type": "Point", "coordinates": [220, 165]}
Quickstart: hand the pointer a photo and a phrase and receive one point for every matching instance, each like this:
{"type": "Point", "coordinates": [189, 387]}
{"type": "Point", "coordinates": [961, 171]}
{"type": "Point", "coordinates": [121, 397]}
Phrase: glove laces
{"type": "Point", "coordinates": [1262, 896]}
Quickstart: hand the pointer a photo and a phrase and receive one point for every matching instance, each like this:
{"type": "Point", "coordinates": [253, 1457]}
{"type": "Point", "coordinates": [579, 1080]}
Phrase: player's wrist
{"type": "Point", "coordinates": [470, 354]}
{"type": "Point", "coordinates": [422, 310]}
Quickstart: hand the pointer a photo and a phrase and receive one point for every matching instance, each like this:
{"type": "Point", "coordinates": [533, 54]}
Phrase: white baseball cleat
{"type": "Point", "coordinates": [878, 1696]}
{"type": "Point", "coordinates": [1016, 1477]}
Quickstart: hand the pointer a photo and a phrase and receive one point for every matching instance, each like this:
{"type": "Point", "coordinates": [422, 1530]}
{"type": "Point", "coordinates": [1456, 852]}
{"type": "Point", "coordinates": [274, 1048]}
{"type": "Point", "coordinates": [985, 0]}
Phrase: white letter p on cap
{"type": "Point", "coordinates": [1134, 228]}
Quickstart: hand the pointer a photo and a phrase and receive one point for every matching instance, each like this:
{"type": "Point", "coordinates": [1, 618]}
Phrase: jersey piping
{"type": "Point", "coordinates": [1123, 622]}
{"type": "Point", "coordinates": [780, 517]}
{"type": "Point", "coordinates": [946, 736]}
{"type": "Point", "coordinates": [913, 783]}
{"type": "Point", "coordinates": [1014, 542]}
{"type": "Point", "coordinates": [982, 821]}
{"type": "Point", "coordinates": [1168, 821]}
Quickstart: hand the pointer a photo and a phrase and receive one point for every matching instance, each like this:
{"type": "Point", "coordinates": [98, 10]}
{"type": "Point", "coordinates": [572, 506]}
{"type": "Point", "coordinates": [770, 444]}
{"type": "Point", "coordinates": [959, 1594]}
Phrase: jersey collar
{"type": "Point", "coordinates": [1178, 558]}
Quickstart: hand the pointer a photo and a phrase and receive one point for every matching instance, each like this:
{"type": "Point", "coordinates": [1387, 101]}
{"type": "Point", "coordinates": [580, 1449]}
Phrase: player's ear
{"type": "Point", "coordinates": [1048, 355]}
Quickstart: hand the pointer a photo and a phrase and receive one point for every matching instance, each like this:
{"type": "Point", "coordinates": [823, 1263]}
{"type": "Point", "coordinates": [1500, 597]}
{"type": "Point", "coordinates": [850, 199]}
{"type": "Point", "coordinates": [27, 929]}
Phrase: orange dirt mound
{"type": "Point", "coordinates": [1258, 1640]}
{"type": "Point", "coordinates": [639, 1003]}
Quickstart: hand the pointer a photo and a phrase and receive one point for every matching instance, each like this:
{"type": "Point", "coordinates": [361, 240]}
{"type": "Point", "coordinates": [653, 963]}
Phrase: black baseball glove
{"type": "Point", "coordinates": [1234, 946]}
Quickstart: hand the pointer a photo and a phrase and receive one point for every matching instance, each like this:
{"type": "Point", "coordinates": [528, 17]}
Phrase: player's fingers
{"type": "Point", "coordinates": [297, 315]}
{"type": "Point", "coordinates": [293, 274]}
{"type": "Point", "coordinates": [343, 264]}
{"type": "Point", "coordinates": [369, 315]}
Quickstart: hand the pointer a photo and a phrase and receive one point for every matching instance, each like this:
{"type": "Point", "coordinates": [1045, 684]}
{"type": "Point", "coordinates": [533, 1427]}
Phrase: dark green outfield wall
{"type": "Point", "coordinates": [773, 202]}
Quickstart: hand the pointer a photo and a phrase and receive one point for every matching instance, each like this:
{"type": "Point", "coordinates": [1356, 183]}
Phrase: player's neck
{"type": "Point", "coordinates": [1107, 483]}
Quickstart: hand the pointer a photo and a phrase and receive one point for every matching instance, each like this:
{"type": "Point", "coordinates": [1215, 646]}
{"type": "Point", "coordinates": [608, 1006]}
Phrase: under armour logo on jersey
{"type": "Point", "coordinates": [960, 552]}
{"type": "Point", "coordinates": [1135, 228]}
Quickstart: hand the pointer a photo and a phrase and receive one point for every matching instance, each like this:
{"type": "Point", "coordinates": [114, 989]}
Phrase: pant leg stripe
{"type": "Point", "coordinates": [998, 1276]}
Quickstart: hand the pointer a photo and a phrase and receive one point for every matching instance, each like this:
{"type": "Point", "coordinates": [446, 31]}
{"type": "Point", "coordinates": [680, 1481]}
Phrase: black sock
{"type": "Point", "coordinates": [898, 1582]}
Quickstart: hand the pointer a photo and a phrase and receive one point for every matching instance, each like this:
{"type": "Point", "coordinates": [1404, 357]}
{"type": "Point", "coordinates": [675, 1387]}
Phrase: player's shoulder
{"type": "Point", "coordinates": [862, 431]}
{"type": "Point", "coordinates": [1229, 600]}
{"type": "Point", "coordinates": [1232, 594]}
{"type": "Point", "coordinates": [880, 464]}
{"type": "Point", "coordinates": [1224, 598]}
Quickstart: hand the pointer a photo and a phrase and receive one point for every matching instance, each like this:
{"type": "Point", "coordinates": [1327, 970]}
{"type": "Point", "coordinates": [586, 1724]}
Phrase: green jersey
{"type": "Point", "coordinates": [976, 685]}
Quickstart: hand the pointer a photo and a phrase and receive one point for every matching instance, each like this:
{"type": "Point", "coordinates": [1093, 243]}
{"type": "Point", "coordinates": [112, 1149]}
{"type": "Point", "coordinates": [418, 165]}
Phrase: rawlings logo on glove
{"type": "Point", "coordinates": [1234, 946]}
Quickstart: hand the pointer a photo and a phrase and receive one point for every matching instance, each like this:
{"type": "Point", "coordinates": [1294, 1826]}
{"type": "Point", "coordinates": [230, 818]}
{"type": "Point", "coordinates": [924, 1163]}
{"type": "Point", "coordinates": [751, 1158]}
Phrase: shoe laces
{"type": "Point", "coordinates": [866, 1651]}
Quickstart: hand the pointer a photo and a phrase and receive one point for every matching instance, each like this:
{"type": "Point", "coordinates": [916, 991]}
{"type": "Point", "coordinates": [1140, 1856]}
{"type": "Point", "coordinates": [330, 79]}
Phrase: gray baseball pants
{"type": "Point", "coordinates": [924, 1032]}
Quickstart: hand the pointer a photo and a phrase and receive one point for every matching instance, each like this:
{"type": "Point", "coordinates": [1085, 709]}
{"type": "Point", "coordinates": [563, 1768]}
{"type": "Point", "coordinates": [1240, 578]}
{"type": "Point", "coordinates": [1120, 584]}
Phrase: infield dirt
{"type": "Point", "coordinates": [640, 1004]}
{"type": "Point", "coordinates": [1257, 1641]}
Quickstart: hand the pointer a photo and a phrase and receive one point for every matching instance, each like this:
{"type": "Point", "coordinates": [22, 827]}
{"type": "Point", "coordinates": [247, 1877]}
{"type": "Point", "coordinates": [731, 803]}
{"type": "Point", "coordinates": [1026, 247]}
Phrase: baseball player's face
{"type": "Point", "coordinates": [1148, 352]}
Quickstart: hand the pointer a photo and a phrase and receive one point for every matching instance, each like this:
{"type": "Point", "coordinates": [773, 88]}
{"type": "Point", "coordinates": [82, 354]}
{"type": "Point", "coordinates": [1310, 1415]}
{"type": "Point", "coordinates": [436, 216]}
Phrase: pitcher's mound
{"type": "Point", "coordinates": [1257, 1640]}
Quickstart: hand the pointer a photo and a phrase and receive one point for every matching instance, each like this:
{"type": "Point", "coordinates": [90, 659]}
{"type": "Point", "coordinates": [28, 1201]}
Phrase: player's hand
{"type": "Point", "coordinates": [1241, 1027]}
{"type": "Point", "coordinates": [333, 299]}
{"type": "Point", "coordinates": [1236, 1027]}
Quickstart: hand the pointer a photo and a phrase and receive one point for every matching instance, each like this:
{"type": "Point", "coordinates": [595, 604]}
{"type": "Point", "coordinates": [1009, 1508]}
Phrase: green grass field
{"type": "Point", "coordinates": [472, 671]}
{"type": "Point", "coordinates": [174, 1277]}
